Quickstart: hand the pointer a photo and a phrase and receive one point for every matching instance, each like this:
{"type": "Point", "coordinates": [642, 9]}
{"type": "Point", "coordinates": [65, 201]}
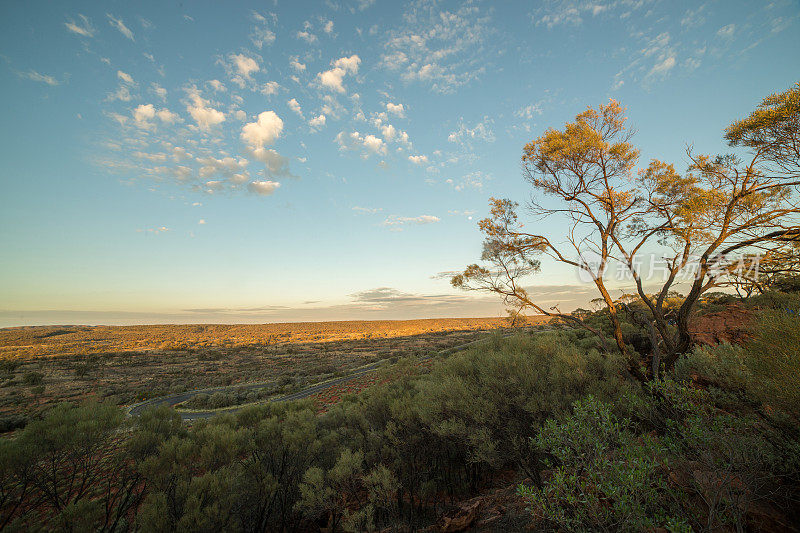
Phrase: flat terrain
{"type": "Point", "coordinates": [40, 366]}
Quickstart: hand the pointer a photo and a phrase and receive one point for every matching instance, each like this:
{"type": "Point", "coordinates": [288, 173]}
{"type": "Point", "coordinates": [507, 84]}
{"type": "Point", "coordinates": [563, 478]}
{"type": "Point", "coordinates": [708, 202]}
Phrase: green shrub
{"type": "Point", "coordinates": [32, 378]}
{"type": "Point", "coordinates": [766, 368]}
{"type": "Point", "coordinates": [605, 478]}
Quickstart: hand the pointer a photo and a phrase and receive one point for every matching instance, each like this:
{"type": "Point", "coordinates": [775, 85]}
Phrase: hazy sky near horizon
{"type": "Point", "coordinates": [278, 161]}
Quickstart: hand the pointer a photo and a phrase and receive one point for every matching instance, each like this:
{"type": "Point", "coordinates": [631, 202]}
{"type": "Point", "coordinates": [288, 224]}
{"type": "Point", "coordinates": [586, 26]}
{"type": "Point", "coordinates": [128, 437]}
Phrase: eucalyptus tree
{"type": "Point", "coordinates": [714, 221]}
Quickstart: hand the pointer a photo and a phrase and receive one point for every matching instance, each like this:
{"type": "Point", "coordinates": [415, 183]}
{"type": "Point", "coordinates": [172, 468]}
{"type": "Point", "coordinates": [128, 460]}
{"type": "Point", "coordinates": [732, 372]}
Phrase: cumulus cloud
{"type": "Point", "coordinates": [389, 132]}
{"type": "Point", "coordinates": [204, 116]}
{"type": "Point", "coordinates": [119, 25]}
{"type": "Point", "coordinates": [295, 63]}
{"type": "Point", "coordinates": [418, 159]}
{"type": "Point", "coordinates": [270, 88]}
{"type": "Point", "coordinates": [367, 144]}
{"type": "Point", "coordinates": [217, 85]}
{"type": "Point", "coordinates": [83, 27]}
{"type": "Point", "coordinates": [332, 79]}
{"type": "Point", "coordinates": [264, 131]}
{"type": "Point", "coordinates": [227, 166]}
{"type": "Point", "coordinates": [275, 164]}
{"type": "Point", "coordinates": [295, 106]}
{"type": "Point", "coordinates": [263, 188]}
{"type": "Point", "coordinates": [396, 109]}
{"type": "Point", "coordinates": [317, 122]}
{"type": "Point", "coordinates": [245, 66]}
{"type": "Point", "coordinates": [144, 114]}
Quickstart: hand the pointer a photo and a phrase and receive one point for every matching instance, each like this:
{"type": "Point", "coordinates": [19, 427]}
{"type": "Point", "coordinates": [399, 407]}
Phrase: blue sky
{"type": "Point", "coordinates": [239, 162]}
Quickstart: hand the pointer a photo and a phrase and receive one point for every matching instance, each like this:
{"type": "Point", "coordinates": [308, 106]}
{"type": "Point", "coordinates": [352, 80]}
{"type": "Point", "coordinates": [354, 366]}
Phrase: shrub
{"type": "Point", "coordinates": [32, 378]}
{"type": "Point", "coordinates": [767, 368]}
{"type": "Point", "coordinates": [604, 477]}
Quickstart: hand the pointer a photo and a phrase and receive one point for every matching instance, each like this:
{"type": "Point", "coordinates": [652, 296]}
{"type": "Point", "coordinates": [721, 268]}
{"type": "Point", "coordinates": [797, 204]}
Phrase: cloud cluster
{"type": "Point", "coordinates": [205, 117]}
{"type": "Point", "coordinates": [367, 144]}
{"type": "Point", "coordinates": [332, 79]}
{"type": "Point", "coordinates": [481, 131]}
{"type": "Point", "coordinates": [443, 49]}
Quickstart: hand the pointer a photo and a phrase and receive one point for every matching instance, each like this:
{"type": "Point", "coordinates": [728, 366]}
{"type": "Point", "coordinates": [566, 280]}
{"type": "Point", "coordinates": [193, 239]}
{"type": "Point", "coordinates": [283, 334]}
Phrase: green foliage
{"type": "Point", "coordinates": [32, 378]}
{"type": "Point", "coordinates": [488, 399]}
{"type": "Point", "coordinates": [603, 453]}
{"type": "Point", "coordinates": [766, 368]}
{"type": "Point", "coordinates": [69, 470]}
{"type": "Point", "coordinates": [605, 477]}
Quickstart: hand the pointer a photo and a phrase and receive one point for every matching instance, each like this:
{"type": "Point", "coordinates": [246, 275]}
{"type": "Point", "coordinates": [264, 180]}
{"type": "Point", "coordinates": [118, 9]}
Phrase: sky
{"type": "Point", "coordinates": [282, 161]}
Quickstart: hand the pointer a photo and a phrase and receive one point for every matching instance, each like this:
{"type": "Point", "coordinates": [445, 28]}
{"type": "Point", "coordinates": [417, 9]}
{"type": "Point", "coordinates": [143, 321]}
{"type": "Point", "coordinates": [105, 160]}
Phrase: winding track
{"type": "Point", "coordinates": [174, 399]}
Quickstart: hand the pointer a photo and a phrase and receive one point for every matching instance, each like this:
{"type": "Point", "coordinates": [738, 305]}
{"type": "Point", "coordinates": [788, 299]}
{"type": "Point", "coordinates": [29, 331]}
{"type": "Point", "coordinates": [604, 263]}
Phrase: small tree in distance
{"type": "Point", "coordinates": [584, 177]}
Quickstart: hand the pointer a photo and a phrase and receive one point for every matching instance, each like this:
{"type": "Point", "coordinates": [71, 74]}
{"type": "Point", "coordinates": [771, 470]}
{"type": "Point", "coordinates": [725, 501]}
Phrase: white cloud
{"type": "Point", "coordinates": [206, 117]}
{"type": "Point", "coordinates": [394, 220]}
{"type": "Point", "coordinates": [245, 65]}
{"type": "Point", "coordinates": [374, 144]}
{"type": "Point", "coordinates": [167, 117]}
{"type": "Point", "coordinates": [264, 188]}
{"type": "Point", "coordinates": [201, 221]}
{"type": "Point", "coordinates": [275, 163]}
{"type": "Point", "coordinates": [332, 79]}
{"type": "Point", "coordinates": [726, 32]}
{"type": "Point", "coordinates": [368, 144]}
{"type": "Point", "coordinates": [41, 78]}
{"type": "Point", "coordinates": [159, 91]}
{"type": "Point", "coordinates": [83, 27]}
{"type": "Point", "coordinates": [389, 132]}
{"type": "Point", "coordinates": [396, 109]}
{"type": "Point", "coordinates": [262, 35]}
{"type": "Point", "coordinates": [126, 78]}
{"type": "Point", "coordinates": [118, 24]}
{"type": "Point", "coordinates": [217, 85]}
{"type": "Point", "coordinates": [327, 27]}
{"type": "Point", "coordinates": [264, 131]}
{"type": "Point", "coordinates": [440, 48]}
{"type": "Point", "coordinates": [529, 111]}
{"type": "Point", "coordinates": [573, 13]}
{"type": "Point", "coordinates": [270, 88]}
{"type": "Point", "coordinates": [296, 64]}
{"type": "Point", "coordinates": [367, 210]}
{"type": "Point", "coordinates": [295, 106]}
{"type": "Point", "coordinates": [662, 67]}
{"type": "Point", "coordinates": [473, 180]}
{"type": "Point", "coordinates": [143, 114]}
{"type": "Point", "coordinates": [317, 122]}
{"type": "Point", "coordinates": [306, 36]}
{"type": "Point", "coordinates": [418, 159]}
{"type": "Point", "coordinates": [480, 131]}
{"type": "Point", "coordinates": [227, 166]}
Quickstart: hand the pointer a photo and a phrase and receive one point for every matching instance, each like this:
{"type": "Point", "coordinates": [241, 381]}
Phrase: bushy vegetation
{"type": "Point", "coordinates": [712, 446]}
